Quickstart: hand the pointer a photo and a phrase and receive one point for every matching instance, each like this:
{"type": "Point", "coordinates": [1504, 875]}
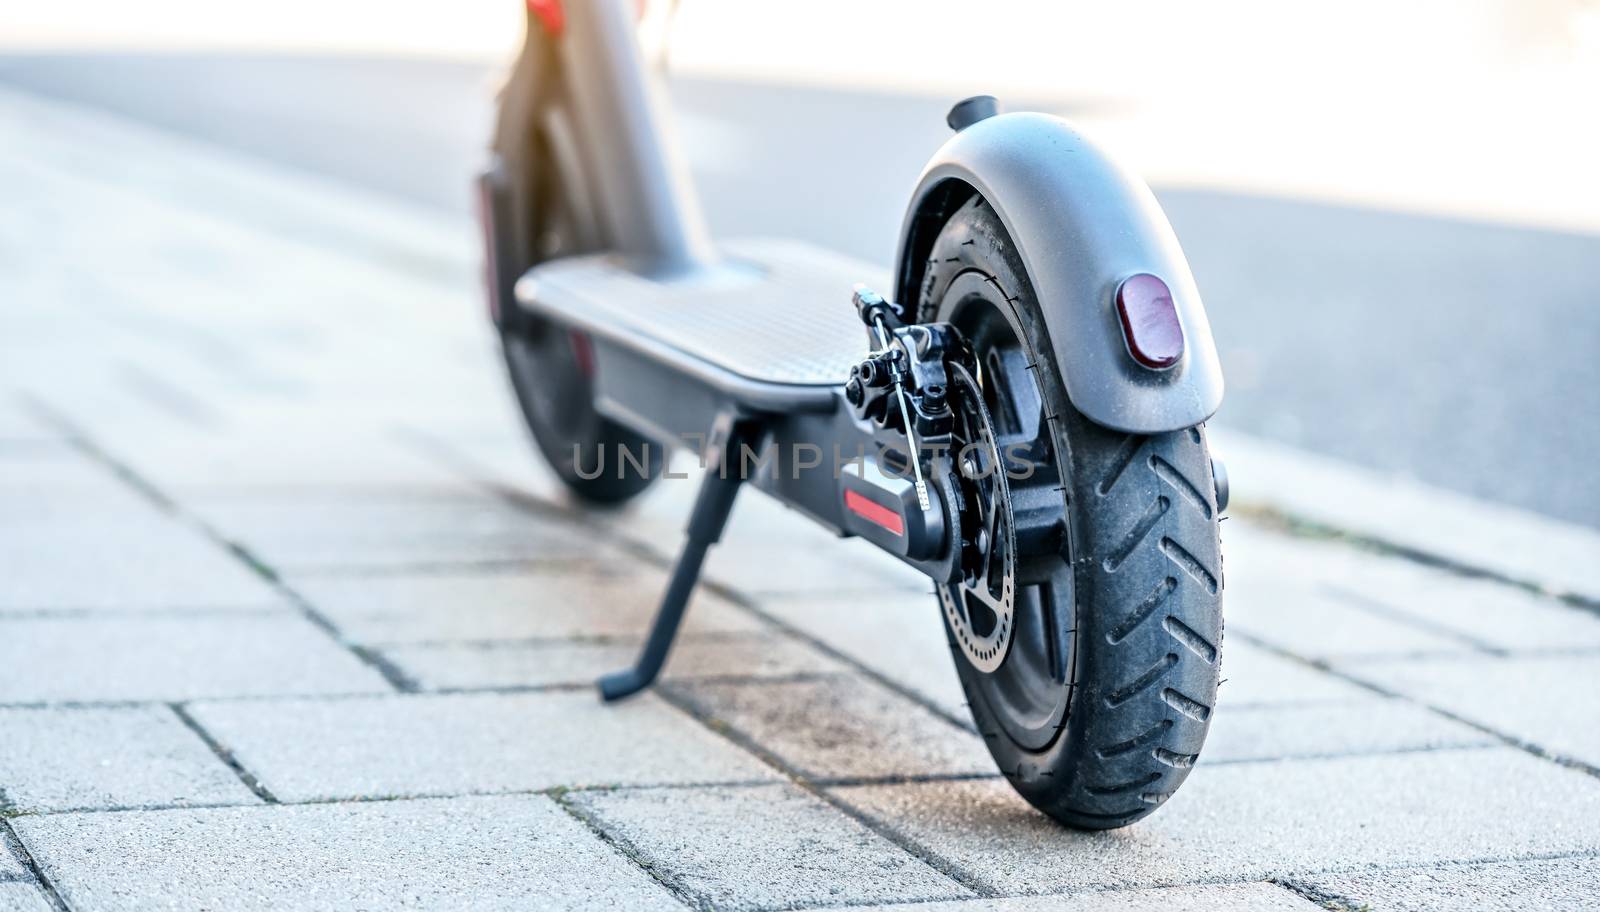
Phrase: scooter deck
{"type": "Point", "coordinates": [774, 313]}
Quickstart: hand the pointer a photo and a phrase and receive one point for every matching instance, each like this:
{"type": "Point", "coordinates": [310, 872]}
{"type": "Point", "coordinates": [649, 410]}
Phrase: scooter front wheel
{"type": "Point", "coordinates": [1101, 703]}
{"type": "Point", "coordinates": [549, 369]}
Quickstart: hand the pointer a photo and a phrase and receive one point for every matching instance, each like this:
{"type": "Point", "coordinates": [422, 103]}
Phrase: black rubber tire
{"type": "Point", "coordinates": [1145, 602]}
{"type": "Point", "coordinates": [557, 403]}
{"type": "Point", "coordinates": [547, 370]}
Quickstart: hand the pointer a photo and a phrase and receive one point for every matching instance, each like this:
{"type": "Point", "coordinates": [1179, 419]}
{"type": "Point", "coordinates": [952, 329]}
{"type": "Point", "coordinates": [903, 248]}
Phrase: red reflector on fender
{"type": "Point", "coordinates": [1150, 322]}
{"type": "Point", "coordinates": [875, 513]}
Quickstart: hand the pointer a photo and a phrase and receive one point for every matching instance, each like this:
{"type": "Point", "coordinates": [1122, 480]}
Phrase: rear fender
{"type": "Point", "coordinates": [1082, 225]}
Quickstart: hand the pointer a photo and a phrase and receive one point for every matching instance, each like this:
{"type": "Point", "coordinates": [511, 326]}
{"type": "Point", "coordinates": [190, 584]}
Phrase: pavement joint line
{"type": "Point", "coordinates": [1426, 655]}
{"type": "Point", "coordinates": [485, 567]}
{"type": "Point", "coordinates": [625, 847]}
{"type": "Point", "coordinates": [215, 351]}
{"type": "Point", "coordinates": [326, 697]}
{"type": "Point", "coordinates": [804, 595]}
{"type": "Point", "coordinates": [1342, 755]}
{"type": "Point", "coordinates": [392, 673]}
{"type": "Point", "coordinates": [507, 690]}
{"type": "Point", "coordinates": [480, 476]}
{"type": "Point", "coordinates": [1323, 898]}
{"type": "Point", "coordinates": [84, 444]}
{"type": "Point", "coordinates": [1267, 706]}
{"type": "Point", "coordinates": [410, 796]}
{"type": "Point", "coordinates": [797, 677]}
{"type": "Point", "coordinates": [140, 808]}
{"type": "Point", "coordinates": [472, 472]}
{"type": "Point", "coordinates": [1316, 894]}
{"type": "Point", "coordinates": [925, 778]}
{"type": "Point", "coordinates": [14, 844]}
{"type": "Point", "coordinates": [904, 842]}
{"type": "Point", "coordinates": [1075, 894]}
{"type": "Point", "coordinates": [250, 780]}
{"type": "Point", "coordinates": [1282, 880]}
{"type": "Point", "coordinates": [69, 614]}
{"type": "Point", "coordinates": [584, 639]}
{"type": "Point", "coordinates": [1298, 526]}
{"type": "Point", "coordinates": [74, 437]}
{"type": "Point", "coordinates": [168, 398]}
{"type": "Point", "coordinates": [1529, 747]}
{"type": "Point", "coordinates": [1376, 606]}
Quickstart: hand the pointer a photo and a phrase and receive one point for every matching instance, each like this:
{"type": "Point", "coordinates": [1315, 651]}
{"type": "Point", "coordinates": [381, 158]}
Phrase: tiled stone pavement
{"type": "Point", "coordinates": [291, 618]}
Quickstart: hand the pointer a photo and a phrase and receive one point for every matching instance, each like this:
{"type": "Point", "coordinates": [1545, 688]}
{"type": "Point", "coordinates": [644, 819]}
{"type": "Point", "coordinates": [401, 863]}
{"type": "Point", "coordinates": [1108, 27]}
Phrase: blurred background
{"type": "Point", "coordinates": [1391, 208]}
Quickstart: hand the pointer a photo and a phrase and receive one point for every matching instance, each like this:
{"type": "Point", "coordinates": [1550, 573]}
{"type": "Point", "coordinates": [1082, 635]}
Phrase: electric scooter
{"type": "Point", "coordinates": [1020, 417]}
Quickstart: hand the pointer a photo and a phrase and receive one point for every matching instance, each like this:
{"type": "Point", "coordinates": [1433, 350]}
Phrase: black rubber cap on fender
{"type": "Point", "coordinates": [969, 111]}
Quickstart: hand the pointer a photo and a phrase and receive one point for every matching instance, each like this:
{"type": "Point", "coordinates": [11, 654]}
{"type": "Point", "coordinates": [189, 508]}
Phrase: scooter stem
{"type": "Point", "coordinates": [646, 200]}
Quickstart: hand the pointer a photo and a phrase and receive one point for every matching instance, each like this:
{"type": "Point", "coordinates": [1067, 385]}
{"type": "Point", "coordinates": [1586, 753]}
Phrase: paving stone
{"type": "Point", "coordinates": [1545, 700]}
{"type": "Point", "coordinates": [1255, 897]}
{"type": "Point", "coordinates": [574, 662]}
{"type": "Point", "coordinates": [490, 446]}
{"type": "Point", "coordinates": [75, 759]}
{"type": "Point", "coordinates": [1252, 676]}
{"type": "Point", "coordinates": [841, 727]}
{"type": "Point", "coordinates": [23, 897]}
{"type": "Point", "coordinates": [19, 427]}
{"type": "Point", "coordinates": [312, 532]}
{"type": "Point", "coordinates": [305, 750]}
{"type": "Point", "coordinates": [1293, 593]}
{"type": "Point", "coordinates": [1468, 530]}
{"type": "Point", "coordinates": [1364, 725]}
{"type": "Point", "coordinates": [285, 450]}
{"type": "Point", "coordinates": [1257, 820]}
{"type": "Point", "coordinates": [460, 607]}
{"type": "Point", "coordinates": [54, 469]}
{"type": "Point", "coordinates": [898, 635]}
{"type": "Point", "coordinates": [173, 658]}
{"type": "Point", "coordinates": [1309, 619]}
{"type": "Point", "coordinates": [1553, 885]}
{"type": "Point", "coordinates": [1490, 614]}
{"type": "Point", "coordinates": [9, 865]}
{"type": "Point", "coordinates": [1391, 605]}
{"type": "Point", "coordinates": [514, 852]}
{"type": "Point", "coordinates": [87, 555]}
{"type": "Point", "coordinates": [767, 847]}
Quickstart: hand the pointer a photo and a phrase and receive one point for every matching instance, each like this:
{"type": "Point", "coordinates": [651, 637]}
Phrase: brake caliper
{"type": "Point", "coordinates": [922, 380]}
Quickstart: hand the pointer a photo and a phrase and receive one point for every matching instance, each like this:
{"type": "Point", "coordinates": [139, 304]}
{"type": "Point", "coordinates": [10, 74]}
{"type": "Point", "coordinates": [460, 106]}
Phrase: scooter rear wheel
{"type": "Point", "coordinates": [1102, 702]}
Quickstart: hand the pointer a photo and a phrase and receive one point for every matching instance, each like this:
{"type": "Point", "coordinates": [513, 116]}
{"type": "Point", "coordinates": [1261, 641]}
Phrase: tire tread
{"type": "Point", "coordinates": [1144, 544]}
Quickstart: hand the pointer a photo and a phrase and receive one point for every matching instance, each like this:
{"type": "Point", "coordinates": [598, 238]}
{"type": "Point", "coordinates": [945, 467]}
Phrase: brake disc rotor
{"type": "Point", "coordinates": [980, 606]}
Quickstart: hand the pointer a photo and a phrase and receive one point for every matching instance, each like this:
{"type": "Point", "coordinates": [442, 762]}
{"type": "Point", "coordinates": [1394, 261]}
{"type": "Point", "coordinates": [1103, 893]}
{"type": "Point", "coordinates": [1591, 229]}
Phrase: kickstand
{"type": "Point", "coordinates": [724, 474]}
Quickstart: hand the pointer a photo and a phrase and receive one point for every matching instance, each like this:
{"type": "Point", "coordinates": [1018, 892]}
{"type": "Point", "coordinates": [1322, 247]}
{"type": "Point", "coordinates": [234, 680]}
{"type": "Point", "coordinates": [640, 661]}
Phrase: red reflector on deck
{"type": "Point", "coordinates": [875, 513]}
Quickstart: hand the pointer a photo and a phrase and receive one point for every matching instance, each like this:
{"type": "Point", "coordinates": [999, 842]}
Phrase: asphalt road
{"type": "Point", "coordinates": [1459, 353]}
